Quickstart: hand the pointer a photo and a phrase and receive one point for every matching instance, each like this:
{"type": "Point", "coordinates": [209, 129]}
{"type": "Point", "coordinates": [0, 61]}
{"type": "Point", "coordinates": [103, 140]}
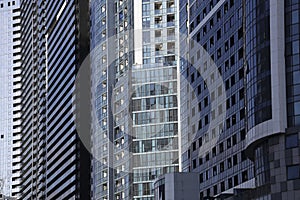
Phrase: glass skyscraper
{"type": "Point", "coordinates": [134, 85]}
{"type": "Point", "coordinates": [213, 106]}
{"type": "Point", "coordinates": [253, 153]}
{"type": "Point", "coordinates": [9, 61]}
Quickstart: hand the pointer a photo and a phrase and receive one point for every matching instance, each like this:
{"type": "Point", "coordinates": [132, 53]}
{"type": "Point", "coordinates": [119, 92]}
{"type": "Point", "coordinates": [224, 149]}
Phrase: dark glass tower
{"type": "Point", "coordinates": [272, 97]}
{"type": "Point", "coordinates": [213, 113]}
{"type": "Point", "coordinates": [255, 48]}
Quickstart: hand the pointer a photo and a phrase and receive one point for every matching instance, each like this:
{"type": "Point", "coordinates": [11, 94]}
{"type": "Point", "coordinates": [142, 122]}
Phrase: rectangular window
{"type": "Point", "coordinates": [214, 152]}
{"type": "Point", "coordinates": [230, 183]}
{"type": "Point", "coordinates": [200, 161]}
{"type": "Point", "coordinates": [222, 186]}
{"type": "Point", "coordinates": [228, 143]}
{"type": "Point", "coordinates": [207, 157]}
{"type": "Point", "coordinates": [234, 140]}
{"type": "Point", "coordinates": [243, 156]}
{"type": "Point", "coordinates": [215, 190]}
{"type": "Point", "coordinates": [194, 146]}
{"type": "Point", "coordinates": [291, 141]}
{"type": "Point", "coordinates": [243, 134]}
{"type": "Point", "coordinates": [201, 178]}
{"type": "Point", "coordinates": [200, 142]}
{"type": "Point", "coordinates": [194, 163]}
{"type": "Point", "coordinates": [214, 170]}
{"type": "Point", "coordinates": [244, 176]}
{"type": "Point", "coordinates": [222, 167]}
{"type": "Point", "coordinates": [293, 172]}
{"type": "Point", "coordinates": [236, 180]}
{"type": "Point", "coordinates": [229, 164]}
{"type": "Point", "coordinates": [235, 160]}
{"type": "Point", "coordinates": [221, 147]}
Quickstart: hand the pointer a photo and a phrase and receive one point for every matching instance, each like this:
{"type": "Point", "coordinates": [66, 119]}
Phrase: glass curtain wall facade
{"type": "Point", "coordinates": [103, 78]}
{"type": "Point", "coordinates": [9, 120]}
{"type": "Point", "coordinates": [273, 143]}
{"type": "Point", "coordinates": [154, 95]}
{"type": "Point", "coordinates": [255, 46]}
{"type": "Point", "coordinates": [215, 148]}
{"type": "Point", "coordinates": [134, 89]}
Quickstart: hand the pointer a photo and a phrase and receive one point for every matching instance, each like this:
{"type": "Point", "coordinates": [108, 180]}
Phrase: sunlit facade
{"type": "Point", "coordinates": [9, 120]}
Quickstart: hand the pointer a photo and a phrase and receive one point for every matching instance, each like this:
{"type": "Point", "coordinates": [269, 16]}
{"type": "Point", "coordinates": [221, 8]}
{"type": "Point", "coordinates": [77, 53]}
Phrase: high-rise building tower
{"type": "Point", "coordinates": [9, 120]}
{"type": "Point", "coordinates": [254, 47]}
{"type": "Point", "coordinates": [213, 106]}
{"type": "Point", "coordinates": [135, 123]}
{"type": "Point", "coordinates": [54, 42]}
{"type": "Point", "coordinates": [67, 45]}
{"type": "Point", "coordinates": [272, 49]}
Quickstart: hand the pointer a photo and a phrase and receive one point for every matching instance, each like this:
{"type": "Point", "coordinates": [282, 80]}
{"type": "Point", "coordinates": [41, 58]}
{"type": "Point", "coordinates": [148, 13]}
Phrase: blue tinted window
{"type": "Point", "coordinates": [291, 141]}
{"type": "Point", "coordinates": [293, 172]}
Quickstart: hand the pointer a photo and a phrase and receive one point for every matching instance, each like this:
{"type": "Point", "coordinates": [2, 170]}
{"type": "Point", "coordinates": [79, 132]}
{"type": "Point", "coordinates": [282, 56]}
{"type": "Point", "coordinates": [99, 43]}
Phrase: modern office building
{"type": "Point", "coordinates": [273, 97]}
{"type": "Point", "coordinates": [254, 47]}
{"type": "Point", "coordinates": [9, 122]}
{"type": "Point", "coordinates": [54, 42]}
{"type": "Point", "coordinates": [213, 105]}
{"type": "Point", "coordinates": [135, 123]}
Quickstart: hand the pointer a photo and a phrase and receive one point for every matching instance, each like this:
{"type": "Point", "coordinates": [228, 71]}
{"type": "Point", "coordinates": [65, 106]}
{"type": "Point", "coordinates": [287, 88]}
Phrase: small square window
{"type": "Point", "coordinates": [291, 140]}
{"type": "Point", "coordinates": [293, 172]}
{"type": "Point", "coordinates": [2, 136]}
